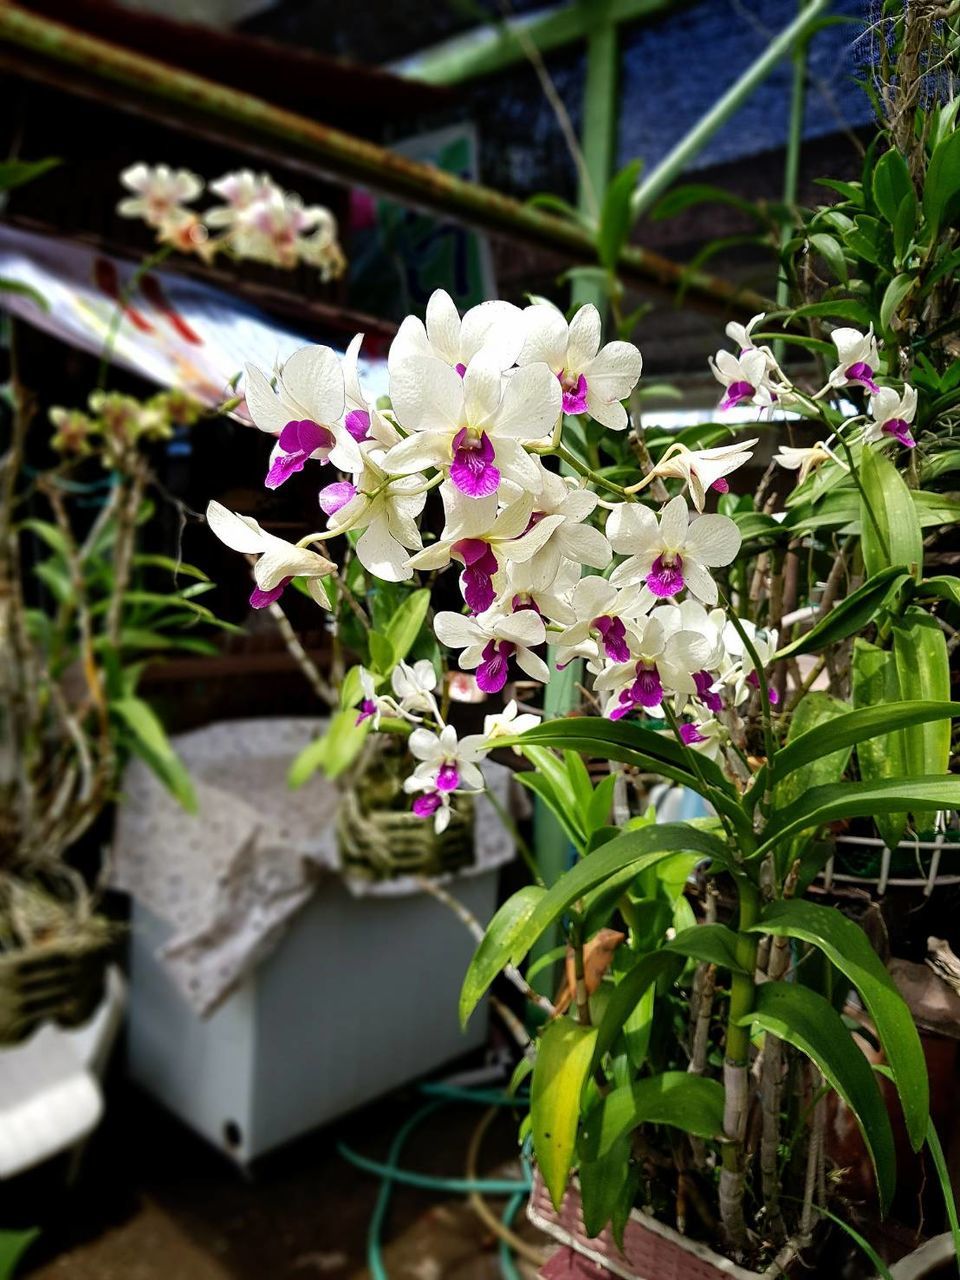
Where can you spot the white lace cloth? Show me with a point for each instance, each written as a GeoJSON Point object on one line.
{"type": "Point", "coordinates": [229, 879]}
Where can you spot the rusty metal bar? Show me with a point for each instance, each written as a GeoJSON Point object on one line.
{"type": "Point", "coordinates": [342, 156]}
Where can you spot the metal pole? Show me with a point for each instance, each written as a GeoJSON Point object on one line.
{"type": "Point", "coordinates": [673, 164]}
{"type": "Point", "coordinates": [352, 159]}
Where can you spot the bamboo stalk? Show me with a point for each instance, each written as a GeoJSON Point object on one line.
{"type": "Point", "coordinates": [350, 159]}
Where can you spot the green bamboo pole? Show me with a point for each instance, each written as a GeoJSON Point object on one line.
{"type": "Point", "coordinates": [348, 158]}
{"type": "Point", "coordinates": [672, 165]}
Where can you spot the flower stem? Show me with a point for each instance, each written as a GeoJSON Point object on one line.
{"type": "Point", "coordinates": [564, 454]}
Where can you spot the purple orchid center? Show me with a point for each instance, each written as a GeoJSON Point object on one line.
{"type": "Point", "coordinates": [476, 581]}
{"type": "Point", "coordinates": [646, 690]}
{"type": "Point", "coordinates": [357, 423]}
{"type": "Point", "coordinates": [336, 496]}
{"type": "Point", "coordinates": [737, 392]}
{"type": "Point", "coordinates": [666, 575]}
{"type": "Point", "coordinates": [720, 485]}
{"type": "Point", "coordinates": [612, 637]}
{"type": "Point", "coordinates": [298, 440]}
{"type": "Point", "coordinates": [367, 709]}
{"type": "Point", "coordinates": [574, 392]}
{"type": "Point", "coordinates": [521, 601]}
{"type": "Point", "coordinates": [448, 777]}
{"type": "Point", "coordinates": [426, 805]}
{"type": "Point", "coordinates": [472, 470]}
{"type": "Point", "coordinates": [690, 733]}
{"type": "Point", "coordinates": [899, 429]}
{"type": "Point", "coordinates": [492, 671]}
{"type": "Point", "coordinates": [704, 682]}
{"type": "Point", "coordinates": [862, 373]}
{"type": "Point", "coordinates": [461, 369]}
{"type": "Point", "coordinates": [753, 680]}
{"type": "Point", "coordinates": [259, 599]}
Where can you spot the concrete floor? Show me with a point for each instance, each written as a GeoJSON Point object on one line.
{"type": "Point", "coordinates": [153, 1202]}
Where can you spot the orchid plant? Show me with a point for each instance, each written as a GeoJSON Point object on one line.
{"type": "Point", "coordinates": [558, 561]}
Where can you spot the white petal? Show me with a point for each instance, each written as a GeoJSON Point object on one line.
{"type": "Point", "coordinates": [715, 540]}
{"type": "Point", "coordinates": [380, 553]}
{"type": "Point", "coordinates": [427, 395]}
{"type": "Point", "coordinates": [495, 327]}
{"type": "Point", "coordinates": [584, 544]}
{"type": "Point", "coordinates": [613, 416]}
{"type": "Point", "coordinates": [531, 404]}
{"type": "Point", "coordinates": [266, 409]}
{"type": "Point", "coordinates": [673, 524]}
{"type": "Point", "coordinates": [419, 450]}
{"type": "Point", "coordinates": [411, 340]}
{"type": "Point", "coordinates": [631, 528]}
{"type": "Point", "coordinates": [525, 627]}
{"type": "Point", "coordinates": [517, 465]}
{"type": "Point", "coordinates": [529, 544]}
{"type": "Point", "coordinates": [584, 341]}
{"type": "Point", "coordinates": [546, 340]}
{"type": "Point", "coordinates": [533, 665]}
{"type": "Point", "coordinates": [613, 372]}
{"type": "Point", "coordinates": [699, 581]}
{"type": "Point", "coordinates": [240, 533]}
{"type": "Point", "coordinates": [456, 631]}
{"type": "Point", "coordinates": [317, 592]}
{"type": "Point", "coordinates": [443, 326]}
{"type": "Point", "coordinates": [313, 377]}
{"type": "Point", "coordinates": [482, 390]}
{"type": "Point", "coordinates": [592, 597]}
{"type": "Point", "coordinates": [424, 744]}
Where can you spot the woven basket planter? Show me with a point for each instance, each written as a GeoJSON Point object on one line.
{"type": "Point", "coordinates": [380, 838]}
{"type": "Point", "coordinates": [651, 1251]}
{"type": "Point", "coordinates": [60, 982]}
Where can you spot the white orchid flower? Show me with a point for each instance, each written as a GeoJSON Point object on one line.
{"type": "Point", "coordinates": [537, 584]}
{"type": "Point", "coordinates": [671, 553]}
{"type": "Point", "coordinates": [238, 190]}
{"type": "Point", "coordinates": [571, 538]}
{"type": "Point", "coordinates": [857, 360]}
{"type": "Point", "coordinates": [279, 561]}
{"type": "Point", "coordinates": [738, 669]}
{"type": "Point", "coordinates": [490, 640]}
{"type": "Point", "coordinates": [159, 193]}
{"type": "Point", "coordinates": [483, 538]}
{"type": "Point", "coordinates": [495, 328]}
{"type": "Point", "coordinates": [690, 616]}
{"type": "Point", "coordinates": [474, 425]}
{"type": "Point", "coordinates": [746, 377]}
{"type": "Point", "coordinates": [270, 229]}
{"type": "Point", "coordinates": [659, 664]}
{"type": "Point", "coordinates": [507, 723]}
{"type": "Point", "coordinates": [303, 411]}
{"type": "Point", "coordinates": [593, 380]}
{"type": "Point", "coordinates": [385, 507]}
{"type": "Point", "coordinates": [447, 764]}
{"type": "Point", "coordinates": [706, 734]}
{"type": "Point", "coordinates": [415, 687]}
{"type": "Point", "coordinates": [742, 334]}
{"type": "Point", "coordinates": [804, 460]}
{"type": "Point", "coordinates": [603, 627]}
{"type": "Point", "coordinates": [891, 415]}
{"type": "Point", "coordinates": [703, 469]}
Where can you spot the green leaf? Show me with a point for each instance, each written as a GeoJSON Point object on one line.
{"type": "Point", "coordinates": [891, 535]}
{"type": "Point", "coordinates": [800, 1017]}
{"type": "Point", "coordinates": [850, 615]}
{"type": "Point", "coordinates": [598, 809]}
{"type": "Point", "coordinates": [830, 251]}
{"type": "Point", "coordinates": [861, 800]}
{"type": "Point", "coordinates": [150, 742]}
{"type": "Point", "coordinates": [49, 533]}
{"type": "Point", "coordinates": [615, 216]}
{"type": "Point", "coordinates": [602, 1183]}
{"type": "Point", "coordinates": [891, 183]}
{"type": "Point", "coordinates": [904, 225]}
{"type": "Point", "coordinates": [405, 626]}
{"type": "Point", "coordinates": [15, 173]}
{"type": "Point", "coordinates": [941, 187]}
{"type": "Point", "coordinates": [677, 1098]}
{"type": "Point", "coordinates": [893, 295]}
{"type": "Point", "coordinates": [637, 1028]}
{"type": "Point", "coordinates": [709, 943]}
{"type": "Point", "coordinates": [876, 687]}
{"type": "Point", "coordinates": [24, 291]}
{"type": "Point", "coordinates": [13, 1245]}
{"type": "Point", "coordinates": [923, 672]}
{"type": "Point", "coordinates": [943, 587]}
{"type": "Point", "coordinates": [558, 802]}
{"type": "Point", "coordinates": [145, 560]}
{"type": "Point", "coordinates": [855, 727]}
{"type": "Point", "coordinates": [695, 193]}
{"type": "Point", "coordinates": [657, 967]}
{"type": "Point", "coordinates": [946, 1185]}
{"type": "Point", "coordinates": [845, 945]}
{"type": "Point", "coordinates": [562, 1066]}
{"type": "Point", "coordinates": [499, 939]}
{"type": "Point", "coordinates": [382, 657]}
{"type": "Point", "coordinates": [835, 309]}
{"type": "Point", "coordinates": [883, 1271]}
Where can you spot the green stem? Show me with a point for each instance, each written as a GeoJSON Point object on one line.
{"type": "Point", "coordinates": [513, 831]}
{"type": "Point", "coordinates": [572, 461]}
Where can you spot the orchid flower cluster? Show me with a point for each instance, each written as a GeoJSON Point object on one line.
{"type": "Point", "coordinates": [560, 557]}
{"type": "Point", "coordinates": [255, 219]}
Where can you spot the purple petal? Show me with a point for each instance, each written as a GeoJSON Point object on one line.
{"type": "Point", "coordinates": [737, 392]}
{"type": "Point", "coordinates": [357, 423]}
{"type": "Point", "coordinates": [704, 682]}
{"type": "Point", "coordinates": [472, 469]}
{"type": "Point", "coordinates": [665, 579]}
{"type": "Point", "coordinates": [721, 485]}
{"type": "Point", "coordinates": [259, 598]}
{"type": "Point", "coordinates": [690, 733]}
{"type": "Point", "coordinates": [574, 396]}
{"type": "Point", "coordinates": [476, 581]}
{"type": "Point", "coordinates": [492, 672]}
{"type": "Point", "coordinates": [448, 779]}
{"type": "Point", "coordinates": [367, 709]}
{"type": "Point", "coordinates": [612, 635]}
{"type": "Point", "coordinates": [335, 496]}
{"type": "Point", "coordinates": [426, 805]}
{"type": "Point", "coordinates": [461, 369]}
{"type": "Point", "coordinates": [862, 373]}
{"type": "Point", "coordinates": [284, 466]}
{"type": "Point", "coordinates": [646, 690]}
{"type": "Point", "coordinates": [305, 434]}
{"type": "Point", "coordinates": [899, 429]}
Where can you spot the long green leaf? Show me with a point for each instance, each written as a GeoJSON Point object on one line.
{"type": "Point", "coordinates": [861, 800]}
{"type": "Point", "coordinates": [800, 1017]}
{"type": "Point", "coordinates": [405, 625]}
{"type": "Point", "coordinates": [946, 1185]}
{"type": "Point", "coordinates": [149, 740]}
{"type": "Point", "coordinates": [650, 969]}
{"type": "Point", "coordinates": [941, 187]}
{"type": "Point", "coordinates": [564, 1054]}
{"type": "Point", "coordinates": [602, 1182]}
{"type": "Point", "coordinates": [15, 173]}
{"type": "Point", "coordinates": [858, 726]}
{"type": "Point", "coordinates": [493, 953]}
{"type": "Point", "coordinates": [709, 943]}
{"type": "Point", "coordinates": [923, 671]}
{"type": "Point", "coordinates": [845, 945]}
{"type": "Point", "coordinates": [891, 535]}
{"type": "Point", "coordinates": [677, 1098]}
{"type": "Point", "coordinates": [875, 686]}
{"type": "Point", "coordinates": [850, 615]}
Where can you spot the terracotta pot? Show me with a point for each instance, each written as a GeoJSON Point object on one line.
{"type": "Point", "coordinates": [651, 1251]}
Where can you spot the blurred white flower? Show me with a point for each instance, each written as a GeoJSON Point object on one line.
{"type": "Point", "coordinates": [279, 561]}
{"type": "Point", "coordinates": [158, 192]}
